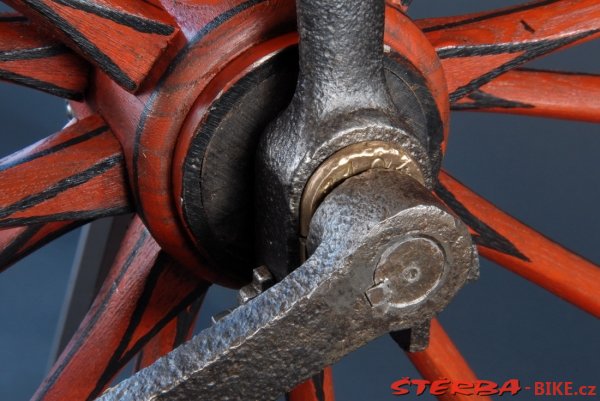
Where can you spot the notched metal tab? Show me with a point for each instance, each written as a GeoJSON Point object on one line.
{"type": "Point", "coordinates": [407, 272]}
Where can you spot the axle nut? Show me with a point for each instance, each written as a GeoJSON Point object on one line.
{"type": "Point", "coordinates": [407, 272]}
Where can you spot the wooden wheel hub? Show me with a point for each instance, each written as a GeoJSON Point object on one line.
{"type": "Point", "coordinates": [153, 125]}
{"type": "Point", "coordinates": [190, 138]}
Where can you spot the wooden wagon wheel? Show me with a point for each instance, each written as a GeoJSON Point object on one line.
{"type": "Point", "coordinates": [144, 79]}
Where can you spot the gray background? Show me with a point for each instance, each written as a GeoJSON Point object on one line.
{"type": "Point", "coordinates": [544, 172]}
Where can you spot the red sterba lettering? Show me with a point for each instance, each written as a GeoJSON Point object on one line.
{"type": "Point", "coordinates": [445, 386]}
{"type": "Point", "coordinates": [512, 386]}
{"type": "Point", "coordinates": [439, 387]}
{"type": "Point", "coordinates": [486, 387]}
{"type": "Point", "coordinates": [421, 385]}
{"type": "Point", "coordinates": [463, 388]}
{"type": "Point", "coordinates": [398, 387]}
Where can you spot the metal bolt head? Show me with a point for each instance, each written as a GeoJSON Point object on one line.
{"type": "Point", "coordinates": [407, 272]}
{"type": "Point", "coordinates": [262, 278]}
{"type": "Point", "coordinates": [247, 293]}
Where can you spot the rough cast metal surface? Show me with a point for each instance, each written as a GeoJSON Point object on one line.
{"type": "Point", "coordinates": [341, 99]}
{"type": "Point", "coordinates": [320, 309]}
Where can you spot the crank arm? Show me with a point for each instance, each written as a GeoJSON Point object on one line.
{"type": "Point", "coordinates": [385, 256]}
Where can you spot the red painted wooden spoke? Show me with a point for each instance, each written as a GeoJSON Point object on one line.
{"type": "Point", "coordinates": [172, 335]}
{"type": "Point", "coordinates": [18, 242]}
{"type": "Point", "coordinates": [442, 360]}
{"type": "Point", "coordinates": [75, 174]}
{"type": "Point", "coordinates": [317, 388]}
{"type": "Point", "coordinates": [144, 291]}
{"type": "Point", "coordinates": [564, 95]}
{"type": "Point", "coordinates": [523, 250]}
{"type": "Point", "coordinates": [123, 38]}
{"type": "Point", "coordinates": [477, 48]}
{"type": "Point", "coordinates": [31, 59]}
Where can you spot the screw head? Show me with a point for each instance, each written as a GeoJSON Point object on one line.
{"type": "Point", "coordinates": [407, 272]}
{"type": "Point", "coordinates": [262, 278]}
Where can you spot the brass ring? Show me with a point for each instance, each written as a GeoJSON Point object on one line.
{"type": "Point", "coordinates": [350, 161]}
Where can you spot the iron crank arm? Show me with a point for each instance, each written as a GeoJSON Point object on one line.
{"type": "Point", "coordinates": [385, 257]}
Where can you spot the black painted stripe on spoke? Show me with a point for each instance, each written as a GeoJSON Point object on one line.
{"type": "Point", "coordinates": [9, 251]}
{"type": "Point", "coordinates": [535, 50]}
{"type": "Point", "coordinates": [488, 50]}
{"type": "Point", "coordinates": [114, 363]}
{"type": "Point", "coordinates": [62, 185]}
{"type": "Point", "coordinates": [40, 85]}
{"type": "Point", "coordinates": [486, 235]}
{"type": "Point", "coordinates": [14, 252]}
{"type": "Point", "coordinates": [32, 54]}
{"type": "Point", "coordinates": [82, 335]}
{"type": "Point", "coordinates": [490, 15]}
{"type": "Point", "coordinates": [213, 24]}
{"type": "Point", "coordinates": [13, 18]}
{"type": "Point", "coordinates": [140, 24]}
{"type": "Point", "coordinates": [559, 72]}
{"type": "Point", "coordinates": [86, 215]}
{"type": "Point", "coordinates": [54, 149]}
{"type": "Point", "coordinates": [88, 48]}
{"type": "Point", "coordinates": [527, 27]}
{"type": "Point", "coordinates": [483, 100]}
{"type": "Point", "coordinates": [318, 381]}
{"type": "Point", "coordinates": [507, 48]}
{"type": "Point", "coordinates": [186, 320]}
{"type": "Point", "coordinates": [187, 300]}
{"type": "Point", "coordinates": [120, 357]}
